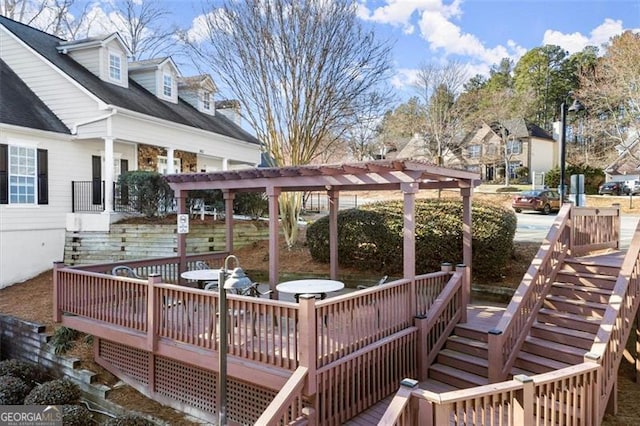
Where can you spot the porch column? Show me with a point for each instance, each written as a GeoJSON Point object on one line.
{"type": "Point", "coordinates": [334, 203]}
{"type": "Point", "coordinates": [108, 175]}
{"type": "Point", "coordinates": [170, 166]}
{"type": "Point", "coordinates": [466, 244]}
{"type": "Point", "coordinates": [274, 248]}
{"type": "Point", "coordinates": [228, 219]}
{"type": "Point", "coordinates": [225, 164]}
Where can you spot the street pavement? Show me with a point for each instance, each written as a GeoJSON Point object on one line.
{"type": "Point", "coordinates": [534, 227]}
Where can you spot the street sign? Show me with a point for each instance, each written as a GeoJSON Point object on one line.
{"type": "Point", "coordinates": [183, 224]}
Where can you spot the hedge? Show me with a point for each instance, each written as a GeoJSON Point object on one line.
{"type": "Point", "coordinates": [370, 238]}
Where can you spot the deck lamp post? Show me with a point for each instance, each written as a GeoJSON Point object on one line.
{"type": "Point", "coordinates": [237, 279]}
{"type": "Point", "coordinates": [575, 107]}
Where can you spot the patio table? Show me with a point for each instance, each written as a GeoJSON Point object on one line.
{"type": "Point", "coordinates": [202, 276]}
{"type": "Point", "coordinates": [310, 286]}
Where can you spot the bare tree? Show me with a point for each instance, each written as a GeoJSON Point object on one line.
{"type": "Point", "coordinates": [52, 16]}
{"type": "Point", "coordinates": [361, 132]}
{"type": "Point", "coordinates": [144, 26]}
{"type": "Point", "coordinates": [611, 94]}
{"type": "Point", "coordinates": [299, 69]}
{"type": "Point", "coordinates": [444, 121]}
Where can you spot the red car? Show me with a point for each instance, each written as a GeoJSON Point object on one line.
{"type": "Point", "coordinates": [541, 200]}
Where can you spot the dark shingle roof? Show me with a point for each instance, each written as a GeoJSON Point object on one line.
{"type": "Point", "coordinates": [521, 128]}
{"type": "Point", "coordinates": [21, 107]}
{"type": "Point", "coordinates": [134, 98]}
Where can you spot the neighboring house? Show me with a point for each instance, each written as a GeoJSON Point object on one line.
{"type": "Point", "coordinates": [626, 167]}
{"type": "Point", "coordinates": [76, 114]}
{"type": "Point", "coordinates": [528, 146]}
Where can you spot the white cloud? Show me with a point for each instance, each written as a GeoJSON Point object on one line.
{"type": "Point", "coordinates": [575, 42]}
{"type": "Point", "coordinates": [404, 77]}
{"type": "Point", "coordinates": [399, 13]}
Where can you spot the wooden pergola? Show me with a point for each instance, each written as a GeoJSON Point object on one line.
{"type": "Point", "coordinates": [408, 176]}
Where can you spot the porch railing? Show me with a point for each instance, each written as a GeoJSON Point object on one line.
{"type": "Point", "coordinates": [88, 197]}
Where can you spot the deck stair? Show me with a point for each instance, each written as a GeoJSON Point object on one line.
{"type": "Point", "coordinates": [563, 332]}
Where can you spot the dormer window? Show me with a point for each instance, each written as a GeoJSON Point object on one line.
{"type": "Point", "coordinates": [167, 85]}
{"type": "Point", "coordinates": [115, 67]}
{"type": "Point", "coordinates": [206, 101]}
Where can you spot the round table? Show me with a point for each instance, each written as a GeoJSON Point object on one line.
{"type": "Point", "coordinates": [310, 286]}
{"type": "Point", "coordinates": [203, 276]}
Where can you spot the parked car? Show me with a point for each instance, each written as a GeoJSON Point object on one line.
{"type": "Point", "coordinates": [635, 190]}
{"type": "Point", "coordinates": [614, 188]}
{"type": "Point", "coordinates": [541, 200]}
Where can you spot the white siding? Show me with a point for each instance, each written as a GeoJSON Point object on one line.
{"type": "Point", "coordinates": [64, 98]}
{"type": "Point", "coordinates": [88, 58]}
{"type": "Point", "coordinates": [184, 139]}
{"type": "Point", "coordinates": [146, 79]}
{"type": "Point", "coordinates": [32, 237]}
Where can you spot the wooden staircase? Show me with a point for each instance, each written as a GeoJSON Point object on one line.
{"type": "Point", "coordinates": [562, 333]}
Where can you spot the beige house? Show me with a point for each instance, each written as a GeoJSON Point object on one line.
{"type": "Point", "coordinates": [77, 114]}
{"type": "Point", "coordinates": [528, 146]}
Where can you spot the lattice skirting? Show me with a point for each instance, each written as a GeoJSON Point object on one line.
{"type": "Point", "coordinates": [182, 386]}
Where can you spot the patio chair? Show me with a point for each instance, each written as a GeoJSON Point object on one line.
{"type": "Point", "coordinates": [126, 271]}
{"type": "Point", "coordinates": [380, 282]}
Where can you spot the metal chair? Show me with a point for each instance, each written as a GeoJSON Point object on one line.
{"type": "Point", "coordinates": [380, 282]}
{"type": "Point", "coordinates": [201, 264]}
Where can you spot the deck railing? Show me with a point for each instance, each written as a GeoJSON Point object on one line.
{"type": "Point", "coordinates": [507, 337]}
{"type": "Point", "coordinates": [618, 321]}
{"type": "Point", "coordinates": [287, 407]}
{"type": "Point", "coordinates": [594, 229]}
{"type": "Point", "coordinates": [572, 395]}
{"type": "Point", "coordinates": [568, 396]}
{"type": "Point", "coordinates": [371, 332]}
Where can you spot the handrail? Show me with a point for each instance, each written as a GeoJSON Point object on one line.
{"type": "Point", "coordinates": [286, 407]}
{"type": "Point", "coordinates": [509, 334]}
{"type": "Point", "coordinates": [617, 320]}
{"type": "Point", "coordinates": [508, 402]}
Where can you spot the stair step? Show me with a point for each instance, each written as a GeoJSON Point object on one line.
{"type": "Point", "coordinates": [568, 320]}
{"type": "Point", "coordinates": [454, 377]}
{"type": "Point", "coordinates": [560, 352]}
{"type": "Point", "coordinates": [467, 346]}
{"type": "Point", "coordinates": [436, 386]}
{"type": "Point", "coordinates": [471, 332]}
{"type": "Point", "coordinates": [537, 364]}
{"type": "Point", "coordinates": [591, 294]}
{"type": "Point", "coordinates": [563, 335]}
{"type": "Point", "coordinates": [590, 266]}
{"type": "Point", "coordinates": [586, 279]}
{"type": "Point", "coordinates": [575, 306]}
{"type": "Point", "coordinates": [464, 362]}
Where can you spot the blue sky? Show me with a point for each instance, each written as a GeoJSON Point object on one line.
{"type": "Point", "coordinates": [478, 33]}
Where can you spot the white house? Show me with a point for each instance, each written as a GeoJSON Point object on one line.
{"type": "Point", "coordinates": [76, 114]}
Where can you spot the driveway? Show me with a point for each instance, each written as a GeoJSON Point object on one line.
{"type": "Point", "coordinates": [534, 227]}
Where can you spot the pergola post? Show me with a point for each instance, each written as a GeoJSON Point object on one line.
{"type": "Point", "coordinates": [467, 251]}
{"type": "Point", "coordinates": [181, 197]}
{"type": "Point", "coordinates": [334, 202]}
{"type": "Point", "coordinates": [409, 239]}
{"type": "Point", "coordinates": [228, 219]}
{"type": "Point", "coordinates": [274, 248]}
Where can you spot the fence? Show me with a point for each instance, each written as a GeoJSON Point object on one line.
{"type": "Point", "coordinates": [88, 196]}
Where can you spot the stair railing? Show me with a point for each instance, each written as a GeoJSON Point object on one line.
{"type": "Point", "coordinates": [508, 336]}
{"type": "Point", "coordinates": [287, 407]}
{"type": "Point", "coordinates": [617, 321]}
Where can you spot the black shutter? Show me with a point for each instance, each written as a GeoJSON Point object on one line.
{"type": "Point", "coordinates": [43, 176]}
{"type": "Point", "coordinates": [96, 180]}
{"type": "Point", "coordinates": [4, 174]}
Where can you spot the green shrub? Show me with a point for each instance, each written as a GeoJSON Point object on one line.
{"type": "Point", "coordinates": [129, 420]}
{"type": "Point", "coordinates": [12, 390]}
{"type": "Point", "coordinates": [508, 189]}
{"type": "Point", "coordinates": [55, 392]}
{"type": "Point", "coordinates": [76, 415]}
{"type": "Point", "coordinates": [28, 373]}
{"type": "Point", "coordinates": [147, 192]}
{"type": "Point", "coordinates": [63, 339]}
{"type": "Point", "coordinates": [593, 177]}
{"type": "Point", "coordinates": [252, 204]}
{"type": "Point", "coordinates": [370, 238]}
